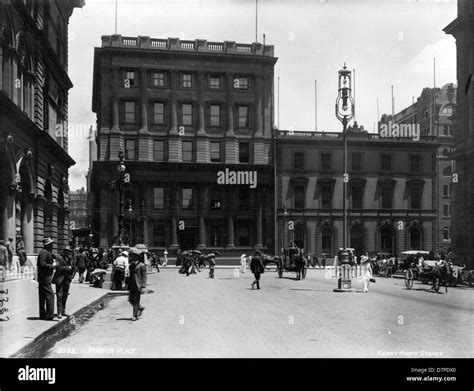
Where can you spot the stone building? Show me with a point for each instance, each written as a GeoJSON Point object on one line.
{"type": "Point", "coordinates": [462, 28]}
{"type": "Point", "coordinates": [194, 120]}
{"type": "Point", "coordinates": [34, 87]}
{"type": "Point", "coordinates": [390, 194]}
{"type": "Point", "coordinates": [433, 113]}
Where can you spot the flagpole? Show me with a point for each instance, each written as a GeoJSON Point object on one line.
{"type": "Point", "coordinates": [315, 105]}
{"type": "Point", "coordinates": [256, 20]}
{"type": "Point", "coordinates": [354, 94]}
{"type": "Point", "coordinates": [116, 17]}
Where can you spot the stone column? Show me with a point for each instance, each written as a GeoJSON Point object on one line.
{"type": "Point", "coordinates": [115, 98]}
{"type": "Point", "coordinates": [259, 244]}
{"type": "Point", "coordinates": [144, 100]}
{"type": "Point", "coordinates": [202, 233]}
{"type": "Point", "coordinates": [145, 231]}
{"type": "Point", "coordinates": [8, 215]}
{"type": "Point", "coordinates": [202, 211]}
{"type": "Point", "coordinates": [258, 106]}
{"type": "Point", "coordinates": [201, 119]}
{"type": "Point", "coordinates": [27, 226]}
{"type": "Point", "coordinates": [174, 103]}
{"type": "Point", "coordinates": [230, 105]}
{"type": "Point", "coordinates": [174, 217]}
{"type": "Point", "coordinates": [174, 236]}
{"type": "Point", "coordinates": [230, 236]}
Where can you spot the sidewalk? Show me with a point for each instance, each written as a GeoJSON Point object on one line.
{"type": "Point", "coordinates": [24, 325]}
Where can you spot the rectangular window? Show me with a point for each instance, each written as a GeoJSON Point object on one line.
{"type": "Point", "coordinates": [130, 149]}
{"type": "Point", "coordinates": [415, 197]}
{"type": "Point", "coordinates": [159, 235]}
{"type": "Point", "coordinates": [187, 198]}
{"type": "Point", "coordinates": [244, 199]}
{"type": "Point", "coordinates": [414, 163]}
{"type": "Point", "coordinates": [244, 235]}
{"type": "Point", "coordinates": [447, 210]}
{"type": "Point", "coordinates": [243, 117]}
{"type": "Point", "coordinates": [299, 196]}
{"type": "Point", "coordinates": [387, 197]}
{"type": "Point", "coordinates": [215, 115]}
{"type": "Point", "coordinates": [356, 161]}
{"type": "Point", "coordinates": [298, 161]}
{"type": "Point", "coordinates": [215, 152]}
{"type": "Point", "coordinates": [386, 163]}
{"type": "Point", "coordinates": [130, 76]}
{"type": "Point", "coordinates": [158, 79]}
{"type": "Point", "coordinates": [187, 151]}
{"type": "Point", "coordinates": [158, 198]}
{"type": "Point", "coordinates": [241, 83]}
{"type": "Point", "coordinates": [159, 113]}
{"type": "Point", "coordinates": [187, 80]}
{"type": "Point", "coordinates": [130, 112]}
{"type": "Point", "coordinates": [187, 114]}
{"type": "Point", "coordinates": [356, 197]}
{"type": "Point", "coordinates": [244, 152]}
{"type": "Point", "coordinates": [159, 150]}
{"type": "Point", "coordinates": [215, 82]}
{"type": "Point", "coordinates": [326, 195]}
{"type": "Point", "coordinates": [325, 161]}
{"type": "Point", "coordinates": [215, 199]}
{"type": "Point", "coordinates": [446, 233]}
{"type": "Point", "coordinates": [446, 191]}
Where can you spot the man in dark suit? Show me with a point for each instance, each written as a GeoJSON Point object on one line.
{"type": "Point", "coordinates": [46, 266]}
{"type": "Point", "coordinates": [257, 268]}
{"type": "Point", "coordinates": [137, 281]}
{"type": "Point", "coordinates": [62, 279]}
{"type": "Point", "coordinates": [80, 261]}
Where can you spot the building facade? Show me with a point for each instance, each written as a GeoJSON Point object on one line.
{"type": "Point", "coordinates": [79, 209]}
{"type": "Point", "coordinates": [462, 28]}
{"type": "Point", "coordinates": [34, 87]}
{"type": "Point", "coordinates": [194, 121]}
{"type": "Point", "coordinates": [433, 114]}
{"type": "Point", "coordinates": [391, 204]}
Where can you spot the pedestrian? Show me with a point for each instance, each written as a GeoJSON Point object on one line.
{"type": "Point", "coordinates": [46, 267]}
{"type": "Point", "coordinates": [137, 281]}
{"type": "Point", "coordinates": [11, 251]}
{"type": "Point", "coordinates": [80, 260]}
{"type": "Point", "coordinates": [3, 261]}
{"type": "Point", "coordinates": [89, 263]}
{"type": "Point", "coordinates": [62, 279]}
{"type": "Point", "coordinates": [243, 263]}
{"type": "Point", "coordinates": [257, 268]}
{"type": "Point", "coordinates": [120, 270]}
{"type": "Point", "coordinates": [165, 256]}
{"type": "Point", "coordinates": [366, 273]}
{"type": "Point", "coordinates": [20, 252]}
{"type": "Point", "coordinates": [212, 265]}
{"type": "Point", "coordinates": [323, 260]}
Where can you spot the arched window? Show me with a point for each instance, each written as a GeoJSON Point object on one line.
{"type": "Point", "coordinates": [299, 236]}
{"type": "Point", "coordinates": [327, 241]}
{"type": "Point", "coordinates": [386, 240]}
{"type": "Point", "coordinates": [415, 238]}
{"type": "Point", "coordinates": [357, 240]}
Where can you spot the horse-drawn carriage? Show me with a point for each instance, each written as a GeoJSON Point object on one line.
{"type": "Point", "coordinates": [293, 260]}
{"type": "Point", "coordinates": [417, 265]}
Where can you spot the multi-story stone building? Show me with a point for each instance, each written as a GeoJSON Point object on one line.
{"type": "Point", "coordinates": [34, 86]}
{"type": "Point", "coordinates": [391, 205]}
{"type": "Point", "coordinates": [79, 209]}
{"type": "Point", "coordinates": [194, 119]}
{"type": "Point", "coordinates": [433, 114]}
{"type": "Point", "coordinates": [462, 28]}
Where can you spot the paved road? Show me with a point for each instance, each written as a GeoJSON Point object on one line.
{"type": "Point", "coordinates": [199, 317]}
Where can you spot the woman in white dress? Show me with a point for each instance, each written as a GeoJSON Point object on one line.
{"type": "Point", "coordinates": [366, 272]}
{"type": "Point", "coordinates": [243, 263]}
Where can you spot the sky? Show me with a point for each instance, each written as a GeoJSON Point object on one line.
{"type": "Point", "coordinates": [386, 42]}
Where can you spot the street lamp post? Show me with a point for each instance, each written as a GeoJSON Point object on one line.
{"type": "Point", "coordinates": [130, 210]}
{"type": "Point", "coordinates": [285, 213]}
{"type": "Point", "coordinates": [120, 183]}
{"type": "Point", "coordinates": [344, 112]}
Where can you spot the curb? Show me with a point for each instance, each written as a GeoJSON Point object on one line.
{"type": "Point", "coordinates": [56, 329]}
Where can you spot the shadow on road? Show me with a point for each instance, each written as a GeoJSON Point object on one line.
{"type": "Point", "coordinates": [129, 319]}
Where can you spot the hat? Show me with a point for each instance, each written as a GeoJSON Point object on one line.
{"type": "Point", "coordinates": [243, 256]}
{"type": "Point", "coordinates": [135, 251]}
{"type": "Point", "coordinates": [67, 248]}
{"type": "Point", "coordinates": [47, 241]}
{"type": "Point", "coordinates": [366, 260]}
{"type": "Point", "coordinates": [125, 253]}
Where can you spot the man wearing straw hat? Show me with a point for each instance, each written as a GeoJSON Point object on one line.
{"type": "Point", "coordinates": [46, 267]}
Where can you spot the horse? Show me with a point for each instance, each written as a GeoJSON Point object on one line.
{"type": "Point", "coordinates": [441, 275]}
{"type": "Point", "coordinates": [300, 263]}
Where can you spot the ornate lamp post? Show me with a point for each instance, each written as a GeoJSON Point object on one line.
{"type": "Point", "coordinates": [285, 214]}
{"type": "Point", "coordinates": [344, 112]}
{"type": "Point", "coordinates": [120, 183]}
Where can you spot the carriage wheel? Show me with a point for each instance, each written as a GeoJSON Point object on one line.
{"type": "Point", "coordinates": [305, 269]}
{"type": "Point", "coordinates": [409, 279]}
{"type": "Point", "coordinates": [436, 284]}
